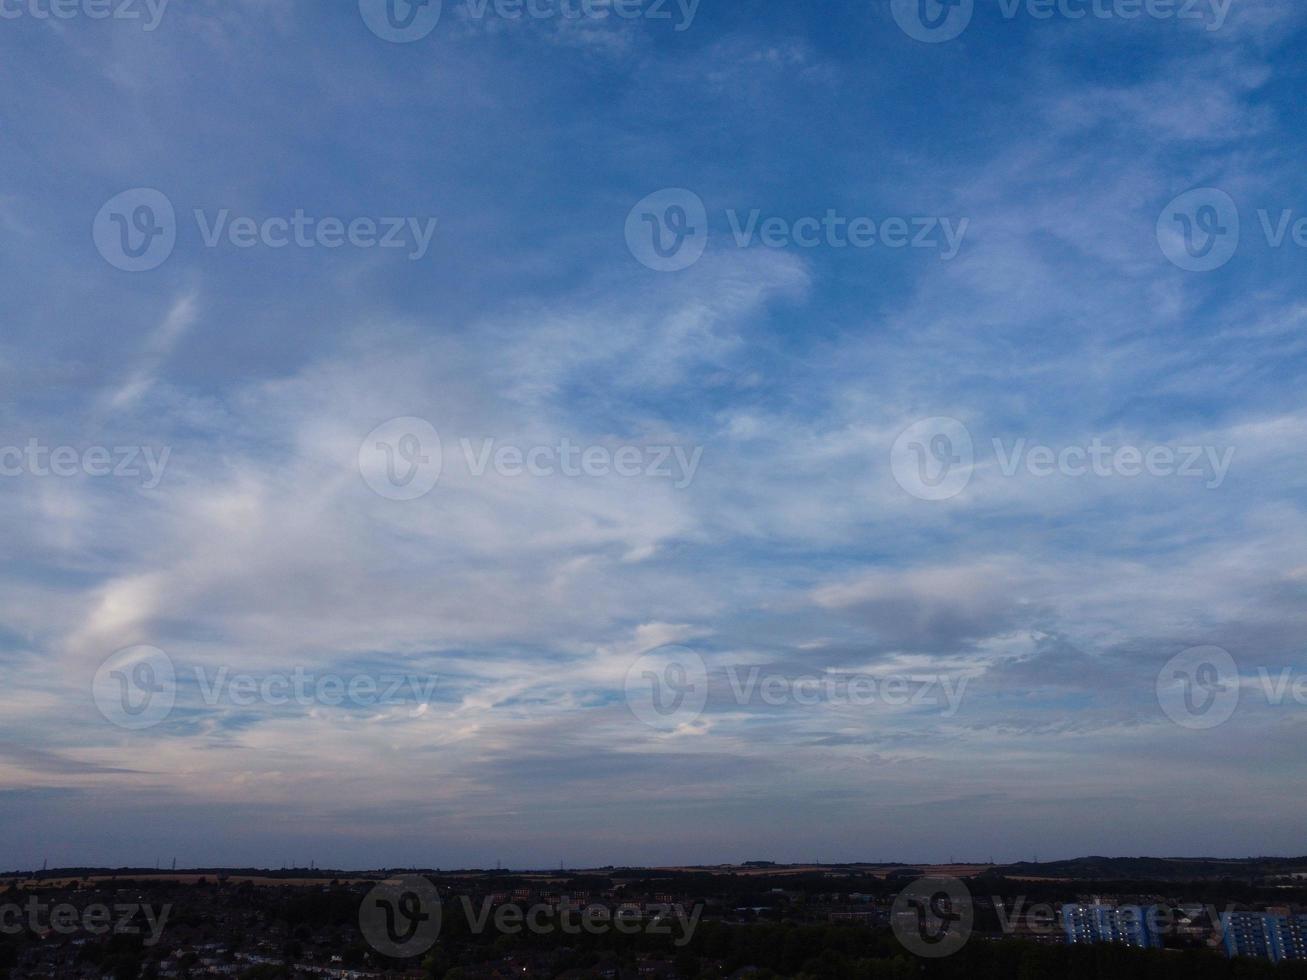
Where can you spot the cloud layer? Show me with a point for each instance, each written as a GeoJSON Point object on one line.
{"type": "Point", "coordinates": [514, 606]}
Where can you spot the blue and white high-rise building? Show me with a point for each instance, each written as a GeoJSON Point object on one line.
{"type": "Point", "coordinates": [1265, 935]}
{"type": "Point", "coordinates": [1131, 925]}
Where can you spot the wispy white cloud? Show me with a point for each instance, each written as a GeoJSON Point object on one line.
{"type": "Point", "coordinates": [529, 598]}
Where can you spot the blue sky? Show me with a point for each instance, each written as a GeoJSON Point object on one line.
{"type": "Point", "coordinates": [788, 373]}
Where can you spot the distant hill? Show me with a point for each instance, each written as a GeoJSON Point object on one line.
{"type": "Point", "coordinates": [1161, 869]}
{"type": "Point", "coordinates": [1077, 869]}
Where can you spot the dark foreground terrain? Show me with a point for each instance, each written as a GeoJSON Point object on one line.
{"type": "Point", "coordinates": [758, 920]}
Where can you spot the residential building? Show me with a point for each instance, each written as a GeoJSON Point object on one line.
{"type": "Point", "coordinates": [1274, 936]}
{"type": "Point", "coordinates": [1130, 925]}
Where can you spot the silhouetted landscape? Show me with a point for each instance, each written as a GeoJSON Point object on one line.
{"type": "Point", "coordinates": [760, 919]}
